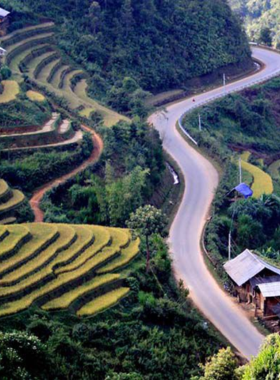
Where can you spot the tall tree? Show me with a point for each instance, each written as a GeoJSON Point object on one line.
{"type": "Point", "coordinates": [147, 221]}
{"type": "Point", "coordinates": [94, 13]}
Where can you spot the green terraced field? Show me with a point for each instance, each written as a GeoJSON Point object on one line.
{"type": "Point", "coordinates": [25, 43]}
{"type": "Point", "coordinates": [60, 266]}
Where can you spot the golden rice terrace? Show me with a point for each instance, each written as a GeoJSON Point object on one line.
{"type": "Point", "coordinates": [60, 267]}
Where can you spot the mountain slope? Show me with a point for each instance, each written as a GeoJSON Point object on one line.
{"type": "Point", "coordinates": [259, 14]}
{"type": "Point", "coordinates": [160, 43]}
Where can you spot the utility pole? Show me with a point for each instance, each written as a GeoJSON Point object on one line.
{"type": "Point", "coordinates": [199, 123]}
{"type": "Point", "coordinates": [240, 170]}
{"type": "Point", "coordinates": [229, 246]}
{"type": "Point", "coordinates": [224, 81]}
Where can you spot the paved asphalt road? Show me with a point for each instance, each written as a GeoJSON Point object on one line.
{"type": "Point", "coordinates": [201, 180]}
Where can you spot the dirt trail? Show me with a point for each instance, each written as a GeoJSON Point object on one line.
{"type": "Point", "coordinates": [39, 193]}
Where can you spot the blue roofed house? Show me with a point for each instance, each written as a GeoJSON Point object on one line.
{"type": "Point", "coordinates": [244, 190]}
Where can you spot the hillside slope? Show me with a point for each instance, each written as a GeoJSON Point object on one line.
{"type": "Point", "coordinates": [159, 43]}
{"type": "Point", "coordinates": [259, 14]}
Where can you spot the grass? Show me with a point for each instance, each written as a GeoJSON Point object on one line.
{"type": "Point", "coordinates": [66, 236]}
{"type": "Point", "coordinates": [36, 61]}
{"type": "Point", "coordinates": [102, 303]}
{"type": "Point", "coordinates": [25, 44]}
{"type": "Point", "coordinates": [35, 96]}
{"type": "Point", "coordinates": [16, 235]}
{"type": "Point", "coordinates": [42, 235]}
{"type": "Point", "coordinates": [15, 201]}
{"type": "Point", "coordinates": [262, 183]}
{"type": "Point", "coordinates": [127, 255]}
{"type": "Point", "coordinates": [64, 301]}
{"type": "Point", "coordinates": [11, 90]}
{"type": "Point", "coordinates": [57, 76]}
{"type": "Point", "coordinates": [45, 72]}
{"type": "Point", "coordinates": [274, 169]}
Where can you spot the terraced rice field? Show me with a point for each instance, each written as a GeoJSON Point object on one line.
{"type": "Point", "coordinates": [51, 74]}
{"type": "Point", "coordinates": [11, 90]}
{"type": "Point", "coordinates": [10, 200]}
{"type": "Point", "coordinates": [59, 267]}
{"type": "Point", "coordinates": [262, 182]}
{"type": "Point", "coordinates": [35, 96]}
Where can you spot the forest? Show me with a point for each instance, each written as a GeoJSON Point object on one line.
{"type": "Point", "coordinates": [114, 39]}
{"type": "Point", "coordinates": [261, 19]}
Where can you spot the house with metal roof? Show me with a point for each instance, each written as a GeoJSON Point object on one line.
{"type": "Point", "coordinates": [4, 21]}
{"type": "Point", "coordinates": [255, 280]}
{"type": "Point", "coordinates": [3, 52]}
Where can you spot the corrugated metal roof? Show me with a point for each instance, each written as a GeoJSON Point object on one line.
{"type": "Point", "coordinates": [272, 289]}
{"type": "Point", "coordinates": [3, 12]}
{"type": "Point", "coordinates": [263, 280]}
{"type": "Point", "coordinates": [245, 266]}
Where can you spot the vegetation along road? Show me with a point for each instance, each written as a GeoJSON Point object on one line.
{"type": "Point", "coordinates": [38, 195]}
{"type": "Point", "coordinates": [201, 179]}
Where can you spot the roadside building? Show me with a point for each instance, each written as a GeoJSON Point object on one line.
{"type": "Point", "coordinates": [4, 21]}
{"type": "Point", "coordinates": [3, 52]}
{"type": "Point", "coordinates": [255, 281]}
{"type": "Point", "coordinates": [242, 190]}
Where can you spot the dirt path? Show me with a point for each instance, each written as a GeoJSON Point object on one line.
{"type": "Point", "coordinates": [39, 193]}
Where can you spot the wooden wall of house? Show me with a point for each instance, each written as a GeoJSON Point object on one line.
{"type": "Point", "coordinates": [4, 24]}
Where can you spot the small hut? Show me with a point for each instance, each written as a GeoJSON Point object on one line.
{"type": "Point", "coordinates": [255, 281]}
{"type": "Point", "coordinates": [4, 21]}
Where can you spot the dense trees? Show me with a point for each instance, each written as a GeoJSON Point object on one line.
{"type": "Point", "coordinates": [260, 17]}
{"type": "Point", "coordinates": [129, 171]}
{"type": "Point", "coordinates": [157, 43]}
{"type": "Point", "coordinates": [224, 366]}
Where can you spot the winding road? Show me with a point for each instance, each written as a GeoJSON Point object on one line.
{"type": "Point", "coordinates": [201, 180]}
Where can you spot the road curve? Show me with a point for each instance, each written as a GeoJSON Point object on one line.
{"type": "Point", "coordinates": [201, 180]}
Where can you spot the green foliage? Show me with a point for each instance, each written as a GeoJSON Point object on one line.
{"type": "Point", "coordinates": [267, 363]}
{"type": "Point", "coordinates": [22, 356]}
{"type": "Point", "coordinates": [29, 171]}
{"type": "Point", "coordinates": [156, 43]}
{"type": "Point", "coordinates": [23, 112]}
{"type": "Point", "coordinates": [249, 119]}
{"type": "Point", "coordinates": [261, 18]}
{"type": "Point", "coordinates": [221, 366]}
{"type": "Point", "coordinates": [126, 177]}
{"type": "Point", "coordinates": [265, 36]}
{"type": "Point", "coordinates": [5, 72]}
{"type": "Point", "coordinates": [147, 220]}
